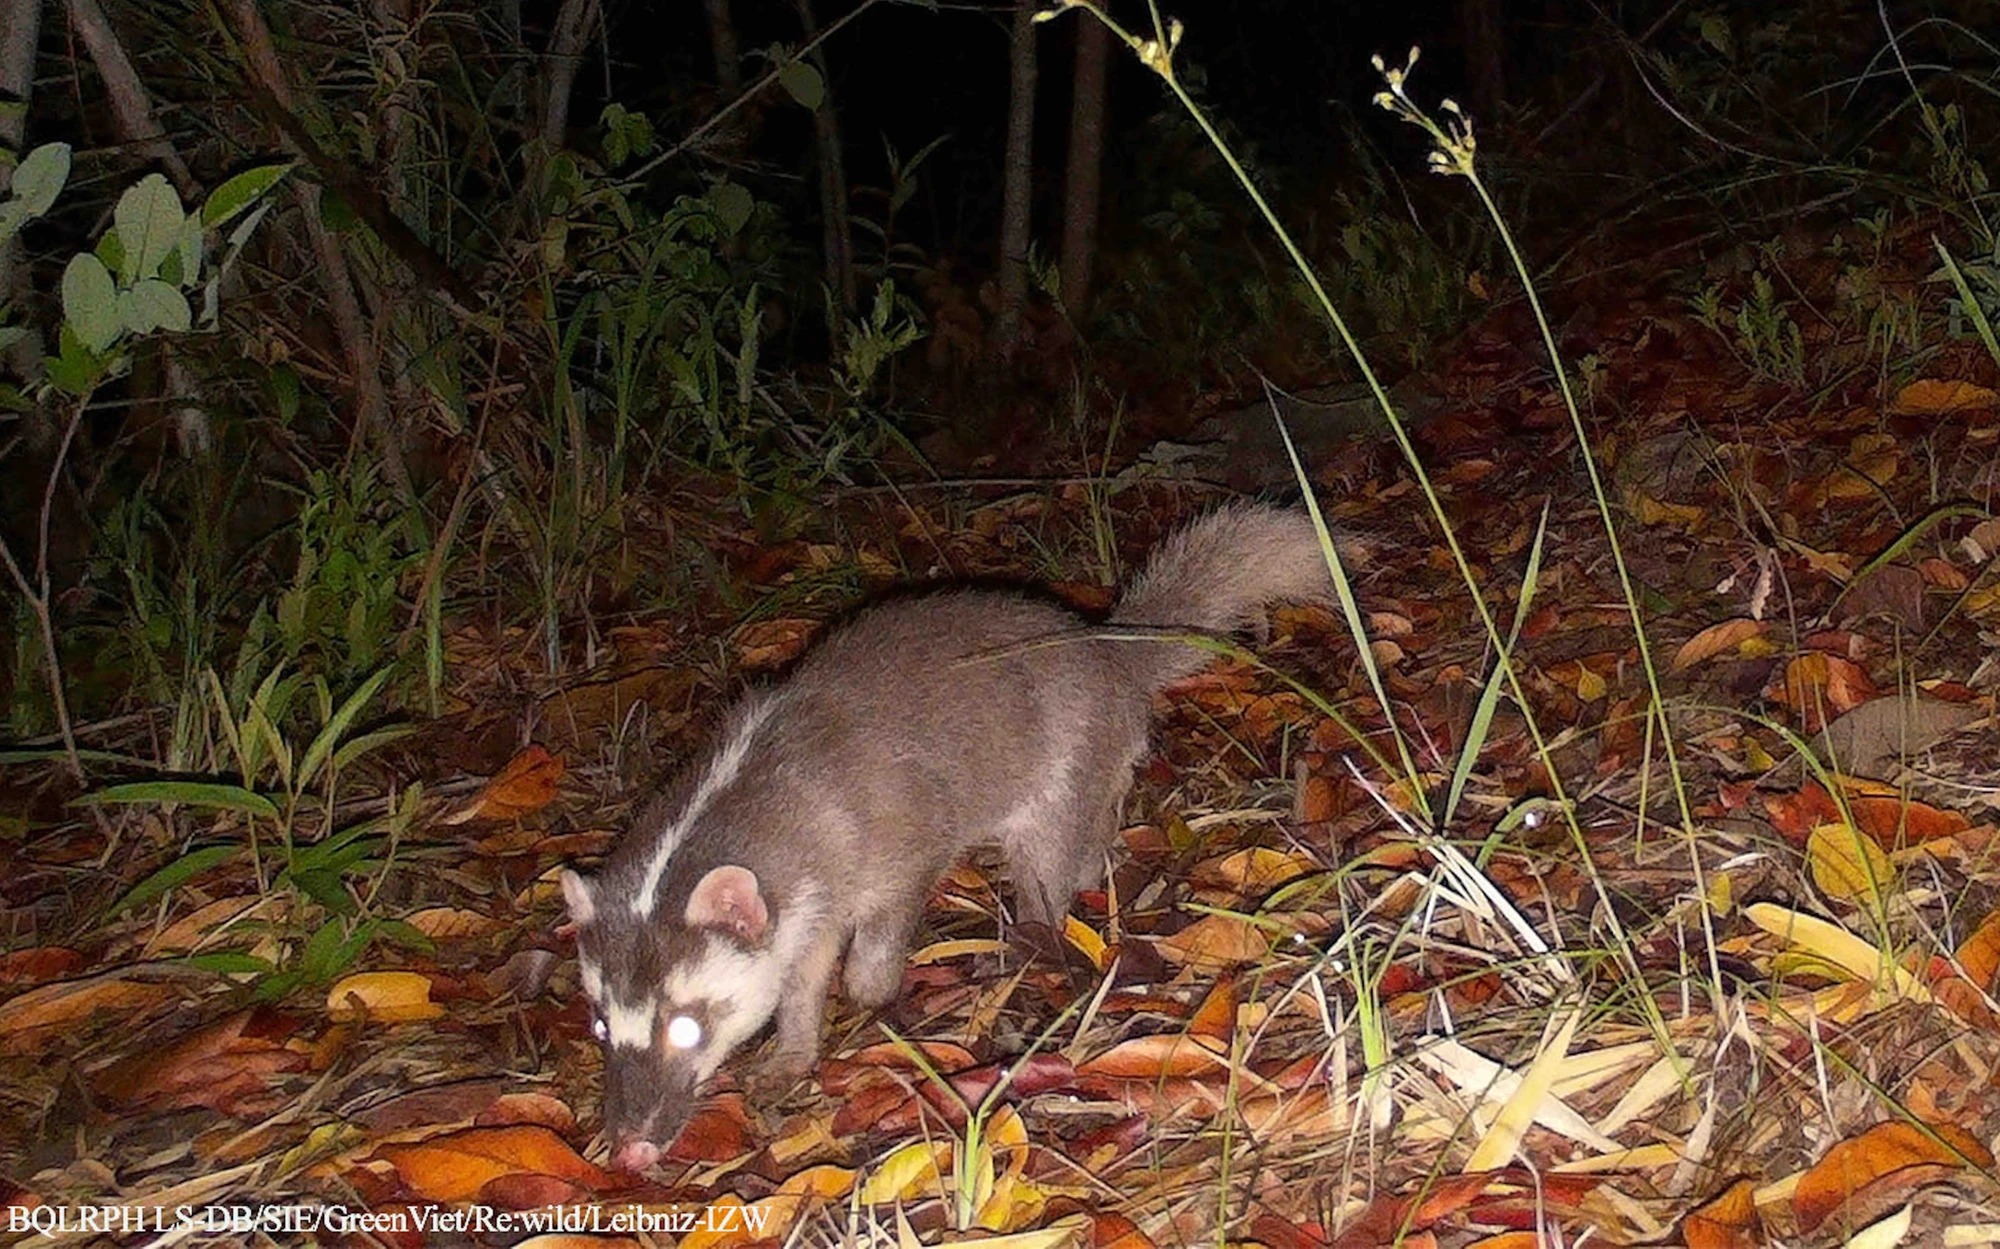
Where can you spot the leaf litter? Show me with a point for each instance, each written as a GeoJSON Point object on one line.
{"type": "Point", "coordinates": [1298, 1014]}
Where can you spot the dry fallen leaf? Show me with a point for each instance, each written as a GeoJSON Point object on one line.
{"type": "Point", "coordinates": [456, 1166]}
{"type": "Point", "coordinates": [1879, 1152]}
{"type": "Point", "coordinates": [222, 1066]}
{"type": "Point", "coordinates": [1930, 396]}
{"type": "Point", "coordinates": [1215, 943]}
{"type": "Point", "coordinates": [526, 785]}
{"type": "Point", "coordinates": [384, 997]}
{"type": "Point", "coordinates": [1716, 639]}
{"type": "Point", "coordinates": [28, 1020]}
{"type": "Point", "coordinates": [1848, 865]}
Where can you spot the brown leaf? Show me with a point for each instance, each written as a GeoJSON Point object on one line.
{"type": "Point", "coordinates": [39, 964]}
{"type": "Point", "coordinates": [1881, 1151]}
{"type": "Point", "coordinates": [457, 1166]}
{"type": "Point", "coordinates": [527, 784]}
{"type": "Point", "coordinates": [1715, 640]}
{"type": "Point", "coordinates": [767, 644]}
{"type": "Point", "coordinates": [1215, 1018]}
{"type": "Point", "coordinates": [451, 923]}
{"type": "Point", "coordinates": [30, 1020]}
{"type": "Point", "coordinates": [222, 1066]}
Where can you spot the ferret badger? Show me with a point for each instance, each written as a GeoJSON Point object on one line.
{"type": "Point", "coordinates": [833, 801]}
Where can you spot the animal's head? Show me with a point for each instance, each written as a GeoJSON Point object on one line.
{"type": "Point", "coordinates": [672, 993]}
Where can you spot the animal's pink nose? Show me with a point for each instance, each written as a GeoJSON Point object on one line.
{"type": "Point", "coordinates": [635, 1155]}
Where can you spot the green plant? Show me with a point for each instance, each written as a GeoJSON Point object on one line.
{"type": "Point", "coordinates": [132, 286]}
{"type": "Point", "coordinates": [1760, 332]}
{"type": "Point", "coordinates": [287, 792]}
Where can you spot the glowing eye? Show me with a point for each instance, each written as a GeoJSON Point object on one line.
{"type": "Point", "coordinates": [600, 1029]}
{"type": "Point", "coordinates": [683, 1032]}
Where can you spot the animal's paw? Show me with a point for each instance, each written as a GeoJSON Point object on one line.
{"type": "Point", "coordinates": [778, 1074]}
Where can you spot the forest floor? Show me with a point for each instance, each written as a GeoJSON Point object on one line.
{"type": "Point", "coordinates": [1722, 996]}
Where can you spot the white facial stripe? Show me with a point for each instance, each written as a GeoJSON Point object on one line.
{"type": "Point", "coordinates": [630, 1027]}
{"type": "Point", "coordinates": [593, 979]}
{"type": "Point", "coordinates": [721, 771]}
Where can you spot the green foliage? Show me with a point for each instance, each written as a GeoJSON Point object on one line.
{"type": "Point", "coordinates": [285, 791]}
{"type": "Point", "coordinates": [135, 283]}
{"type": "Point", "coordinates": [340, 614]}
{"type": "Point", "coordinates": [1760, 331]}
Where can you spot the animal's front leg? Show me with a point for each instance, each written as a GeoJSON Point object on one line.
{"type": "Point", "coordinates": [801, 1011]}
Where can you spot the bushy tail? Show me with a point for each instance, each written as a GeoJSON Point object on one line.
{"type": "Point", "coordinates": [1219, 574]}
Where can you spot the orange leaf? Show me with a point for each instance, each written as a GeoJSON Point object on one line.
{"type": "Point", "coordinates": [454, 1167]}
{"type": "Point", "coordinates": [1216, 1017]}
{"type": "Point", "coordinates": [1930, 396]}
{"type": "Point", "coordinates": [383, 996]}
{"type": "Point", "coordinates": [1881, 1151]}
{"type": "Point", "coordinates": [1727, 1222]}
{"type": "Point", "coordinates": [525, 785]}
{"type": "Point", "coordinates": [1715, 640]}
{"type": "Point", "coordinates": [1215, 942]}
{"type": "Point", "coordinates": [1979, 954]}
{"type": "Point", "coordinates": [40, 964]}
{"type": "Point", "coordinates": [1165, 1055]}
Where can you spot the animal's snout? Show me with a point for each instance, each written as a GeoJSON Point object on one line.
{"type": "Point", "coordinates": [635, 1155]}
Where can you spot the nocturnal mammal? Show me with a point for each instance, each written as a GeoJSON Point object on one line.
{"type": "Point", "coordinates": [829, 805]}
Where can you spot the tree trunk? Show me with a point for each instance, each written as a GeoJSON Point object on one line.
{"type": "Point", "coordinates": [20, 36]}
{"type": "Point", "coordinates": [1084, 175]}
{"type": "Point", "coordinates": [574, 22]}
{"type": "Point", "coordinates": [1016, 187]}
{"type": "Point", "coordinates": [130, 105]}
{"type": "Point", "coordinates": [837, 234]}
{"type": "Point", "coordinates": [722, 42]}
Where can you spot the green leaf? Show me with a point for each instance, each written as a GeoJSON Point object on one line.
{"type": "Point", "coordinates": [733, 205]}
{"type": "Point", "coordinates": [406, 935]}
{"type": "Point", "coordinates": [75, 368]}
{"type": "Point", "coordinates": [174, 875]}
{"type": "Point", "coordinates": [802, 82]}
{"type": "Point", "coordinates": [204, 794]}
{"type": "Point", "coordinates": [187, 254]}
{"type": "Point", "coordinates": [149, 220]}
{"type": "Point", "coordinates": [323, 745]}
{"type": "Point", "coordinates": [40, 176]}
{"type": "Point", "coordinates": [239, 193]}
{"type": "Point", "coordinates": [153, 305]}
{"type": "Point", "coordinates": [111, 250]}
{"type": "Point", "coordinates": [12, 217]}
{"type": "Point", "coordinates": [325, 888]}
{"type": "Point", "coordinates": [90, 302]}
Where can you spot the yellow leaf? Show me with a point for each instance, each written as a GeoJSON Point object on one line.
{"type": "Point", "coordinates": [1836, 945]}
{"type": "Point", "coordinates": [1085, 939]}
{"type": "Point", "coordinates": [1497, 1148]}
{"type": "Point", "coordinates": [1589, 686]}
{"type": "Point", "coordinates": [1721, 893]}
{"type": "Point", "coordinates": [941, 951]}
{"type": "Point", "coordinates": [384, 996]}
{"type": "Point", "coordinates": [914, 1170]}
{"type": "Point", "coordinates": [1846, 864]}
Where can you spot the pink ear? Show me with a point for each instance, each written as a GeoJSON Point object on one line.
{"type": "Point", "coordinates": [576, 892]}
{"type": "Point", "coordinates": [727, 898]}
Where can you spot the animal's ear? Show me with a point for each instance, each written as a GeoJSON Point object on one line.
{"type": "Point", "coordinates": [728, 899]}
{"type": "Point", "coordinates": [576, 892]}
